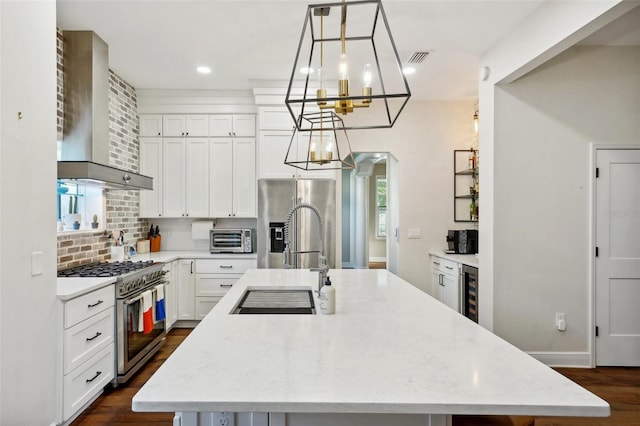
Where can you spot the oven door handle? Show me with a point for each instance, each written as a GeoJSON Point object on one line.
{"type": "Point", "coordinates": [135, 299]}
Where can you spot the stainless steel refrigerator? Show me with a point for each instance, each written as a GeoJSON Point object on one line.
{"type": "Point", "coordinates": [275, 198]}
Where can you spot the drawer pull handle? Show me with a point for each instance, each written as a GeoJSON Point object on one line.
{"type": "Point", "coordinates": [226, 285]}
{"type": "Point", "coordinates": [226, 266]}
{"type": "Point", "coordinates": [95, 304]}
{"type": "Point", "coordinates": [94, 377]}
{"type": "Point", "coordinates": [98, 334]}
{"type": "Point", "coordinates": [448, 267]}
{"type": "Point", "coordinates": [436, 263]}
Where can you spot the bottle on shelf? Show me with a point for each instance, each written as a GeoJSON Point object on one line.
{"type": "Point", "coordinates": [472, 159]}
{"type": "Point", "coordinates": [472, 209]}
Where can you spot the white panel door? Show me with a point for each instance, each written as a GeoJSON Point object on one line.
{"type": "Point", "coordinates": [618, 260]}
{"type": "Point", "coordinates": [221, 125]}
{"type": "Point", "coordinates": [244, 177]}
{"type": "Point", "coordinates": [197, 177]}
{"type": "Point", "coordinates": [221, 177]}
{"type": "Point", "coordinates": [151, 165]}
{"type": "Point", "coordinates": [173, 162]}
{"type": "Point", "coordinates": [173, 125]}
{"type": "Point", "coordinates": [272, 149]}
{"type": "Point", "coordinates": [150, 125]}
{"type": "Point", "coordinates": [244, 125]}
{"type": "Point", "coordinates": [197, 125]}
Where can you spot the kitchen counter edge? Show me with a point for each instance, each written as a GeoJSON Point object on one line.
{"type": "Point", "coordinates": [464, 259]}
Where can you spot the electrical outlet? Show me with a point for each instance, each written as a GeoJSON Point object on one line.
{"type": "Point", "coordinates": [561, 321]}
{"type": "Point", "coordinates": [223, 419]}
{"type": "Point", "coordinates": [415, 233]}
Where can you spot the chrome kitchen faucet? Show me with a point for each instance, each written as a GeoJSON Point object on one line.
{"type": "Point", "coordinates": [322, 268]}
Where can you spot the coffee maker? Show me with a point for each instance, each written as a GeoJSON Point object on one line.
{"type": "Point", "coordinates": [463, 241]}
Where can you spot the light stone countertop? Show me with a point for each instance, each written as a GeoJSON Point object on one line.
{"type": "Point", "coordinates": [390, 348]}
{"type": "Point", "coordinates": [69, 288]}
{"type": "Point", "coordinates": [465, 259]}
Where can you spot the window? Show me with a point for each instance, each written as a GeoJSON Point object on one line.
{"type": "Point", "coordinates": [381, 206]}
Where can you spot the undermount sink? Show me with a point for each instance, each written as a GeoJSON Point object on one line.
{"type": "Point", "coordinates": [276, 301]}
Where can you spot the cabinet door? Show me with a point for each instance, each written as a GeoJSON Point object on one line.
{"type": "Point", "coordinates": [173, 177]}
{"type": "Point", "coordinates": [204, 305]}
{"type": "Point", "coordinates": [221, 125]}
{"type": "Point", "coordinates": [244, 125]}
{"type": "Point", "coordinates": [174, 290]}
{"type": "Point", "coordinates": [197, 177]}
{"type": "Point", "coordinates": [197, 125]}
{"type": "Point", "coordinates": [186, 289]}
{"type": "Point", "coordinates": [244, 177]}
{"type": "Point", "coordinates": [221, 177]}
{"type": "Point", "coordinates": [272, 150]}
{"type": "Point", "coordinates": [173, 125]}
{"type": "Point", "coordinates": [275, 118]}
{"type": "Point", "coordinates": [151, 165]}
{"type": "Point", "coordinates": [451, 296]}
{"type": "Point", "coordinates": [150, 125]}
{"type": "Point", "coordinates": [168, 295]}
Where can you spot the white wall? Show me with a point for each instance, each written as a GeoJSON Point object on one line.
{"type": "Point", "coordinates": [29, 334]}
{"type": "Point", "coordinates": [548, 119]}
{"type": "Point", "coordinates": [552, 28]}
{"type": "Point", "coordinates": [423, 140]}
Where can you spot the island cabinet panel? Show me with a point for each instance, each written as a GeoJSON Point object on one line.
{"type": "Point", "coordinates": [312, 419]}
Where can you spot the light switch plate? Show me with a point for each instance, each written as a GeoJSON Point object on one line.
{"type": "Point", "coordinates": [415, 233]}
{"type": "Point", "coordinates": [36, 263]}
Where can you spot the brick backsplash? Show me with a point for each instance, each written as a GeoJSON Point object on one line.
{"type": "Point", "coordinates": [122, 207]}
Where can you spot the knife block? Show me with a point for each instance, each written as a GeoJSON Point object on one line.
{"type": "Point", "coordinates": [155, 243]}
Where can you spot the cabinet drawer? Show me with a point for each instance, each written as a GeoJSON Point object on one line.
{"type": "Point", "coordinates": [214, 284]}
{"type": "Point", "coordinates": [87, 338]}
{"type": "Point", "coordinates": [444, 266]}
{"type": "Point", "coordinates": [85, 306]}
{"type": "Point", "coordinates": [224, 266]}
{"type": "Point", "coordinates": [204, 305]}
{"type": "Point", "coordinates": [86, 381]}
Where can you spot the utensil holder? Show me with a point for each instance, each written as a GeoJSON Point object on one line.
{"type": "Point", "coordinates": [117, 253]}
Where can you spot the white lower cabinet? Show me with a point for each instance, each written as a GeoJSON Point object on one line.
{"type": "Point", "coordinates": [214, 278]}
{"type": "Point", "coordinates": [445, 280]}
{"type": "Point", "coordinates": [88, 348]}
{"type": "Point", "coordinates": [186, 290]}
{"type": "Point", "coordinates": [171, 293]}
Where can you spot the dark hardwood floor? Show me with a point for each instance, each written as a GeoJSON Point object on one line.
{"type": "Point", "coordinates": [618, 386]}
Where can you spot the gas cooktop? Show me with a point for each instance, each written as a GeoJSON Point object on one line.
{"type": "Point", "coordinates": [104, 269]}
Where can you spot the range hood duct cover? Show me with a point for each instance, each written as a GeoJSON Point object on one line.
{"type": "Point", "coordinates": [85, 145]}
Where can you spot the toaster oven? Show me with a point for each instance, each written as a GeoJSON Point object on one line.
{"type": "Point", "coordinates": [232, 240]}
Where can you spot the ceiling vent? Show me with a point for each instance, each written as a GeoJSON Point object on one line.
{"type": "Point", "coordinates": [418, 57]}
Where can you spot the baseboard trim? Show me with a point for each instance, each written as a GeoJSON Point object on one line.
{"type": "Point", "coordinates": [563, 359]}
{"type": "Point", "coordinates": [377, 259]}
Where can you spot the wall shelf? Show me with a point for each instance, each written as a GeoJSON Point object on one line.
{"type": "Point", "coordinates": [465, 185]}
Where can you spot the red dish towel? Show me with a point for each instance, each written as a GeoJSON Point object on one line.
{"type": "Point", "coordinates": [147, 311]}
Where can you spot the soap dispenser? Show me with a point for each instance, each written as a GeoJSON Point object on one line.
{"type": "Point", "coordinates": [328, 298]}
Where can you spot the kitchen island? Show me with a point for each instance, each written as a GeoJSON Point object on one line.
{"type": "Point", "coordinates": [391, 354]}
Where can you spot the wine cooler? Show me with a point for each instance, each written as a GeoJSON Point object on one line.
{"type": "Point", "coordinates": [470, 292]}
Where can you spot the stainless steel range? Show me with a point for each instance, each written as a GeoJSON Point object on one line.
{"type": "Point", "coordinates": [134, 344]}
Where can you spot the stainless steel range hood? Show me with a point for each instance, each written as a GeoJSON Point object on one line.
{"type": "Point", "coordinates": [85, 145]}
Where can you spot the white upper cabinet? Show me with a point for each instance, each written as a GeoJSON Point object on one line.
{"type": "Point", "coordinates": [228, 125]}
{"type": "Point", "coordinates": [272, 149]}
{"type": "Point", "coordinates": [150, 125]}
{"type": "Point", "coordinates": [233, 177]}
{"type": "Point", "coordinates": [173, 167]}
{"type": "Point", "coordinates": [151, 165]}
{"type": "Point", "coordinates": [197, 177]}
{"type": "Point", "coordinates": [275, 118]}
{"type": "Point", "coordinates": [185, 125]}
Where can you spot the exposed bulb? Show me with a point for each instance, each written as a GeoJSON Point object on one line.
{"type": "Point", "coordinates": [367, 75]}
{"type": "Point", "coordinates": [343, 69]}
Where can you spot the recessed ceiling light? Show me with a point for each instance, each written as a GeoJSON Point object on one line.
{"type": "Point", "coordinates": [408, 70]}
{"type": "Point", "coordinates": [203, 69]}
{"type": "Point", "coordinates": [306, 70]}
